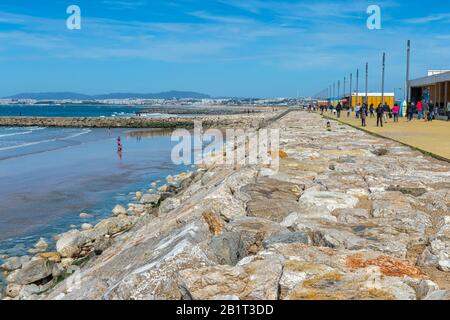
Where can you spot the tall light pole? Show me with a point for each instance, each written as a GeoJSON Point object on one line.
{"type": "Point", "coordinates": [339, 89]}
{"type": "Point", "coordinates": [408, 57]}
{"type": "Point", "coordinates": [351, 83]}
{"type": "Point", "coordinates": [382, 78]}
{"type": "Point", "coordinates": [345, 84]}
{"type": "Point", "coordinates": [357, 86]}
{"type": "Point", "coordinates": [367, 83]}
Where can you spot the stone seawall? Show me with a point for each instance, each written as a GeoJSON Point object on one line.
{"type": "Point", "coordinates": [347, 216]}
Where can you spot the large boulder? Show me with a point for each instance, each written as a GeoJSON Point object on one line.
{"type": "Point", "coordinates": [150, 198]}
{"type": "Point", "coordinates": [112, 226]}
{"type": "Point", "coordinates": [168, 205]}
{"type": "Point", "coordinates": [253, 278]}
{"type": "Point", "coordinates": [69, 244]}
{"type": "Point", "coordinates": [228, 248]}
{"type": "Point", "coordinates": [272, 199]}
{"type": "Point", "coordinates": [35, 270]}
{"type": "Point", "coordinates": [14, 263]}
{"type": "Point", "coordinates": [118, 210]}
{"type": "Point", "coordinates": [292, 237]}
{"type": "Point", "coordinates": [328, 201]}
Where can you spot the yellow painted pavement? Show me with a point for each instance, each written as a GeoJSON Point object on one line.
{"type": "Point", "coordinates": [432, 137]}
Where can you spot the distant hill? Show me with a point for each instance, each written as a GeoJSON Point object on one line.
{"type": "Point", "coordinates": [79, 96]}
{"type": "Point", "coordinates": [50, 96]}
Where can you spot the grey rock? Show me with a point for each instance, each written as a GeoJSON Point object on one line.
{"type": "Point", "coordinates": [41, 245]}
{"type": "Point", "coordinates": [380, 152]}
{"type": "Point", "coordinates": [439, 295]}
{"type": "Point", "coordinates": [57, 270]}
{"type": "Point", "coordinates": [118, 210]}
{"type": "Point", "coordinates": [101, 245]}
{"type": "Point", "coordinates": [294, 237]}
{"type": "Point", "coordinates": [151, 199]}
{"type": "Point", "coordinates": [11, 264]}
{"type": "Point", "coordinates": [168, 205]}
{"type": "Point", "coordinates": [227, 247]}
{"type": "Point", "coordinates": [86, 226]}
{"type": "Point", "coordinates": [69, 245]}
{"type": "Point", "coordinates": [427, 259]}
{"type": "Point", "coordinates": [416, 192]}
{"type": "Point", "coordinates": [444, 265]}
{"type": "Point", "coordinates": [114, 225]}
{"type": "Point", "coordinates": [29, 292]}
{"type": "Point", "coordinates": [84, 215]}
{"type": "Point", "coordinates": [13, 290]}
{"type": "Point", "coordinates": [35, 270]}
{"type": "Point", "coordinates": [425, 288]}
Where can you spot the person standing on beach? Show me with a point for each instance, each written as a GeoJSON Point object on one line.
{"type": "Point", "coordinates": [380, 111]}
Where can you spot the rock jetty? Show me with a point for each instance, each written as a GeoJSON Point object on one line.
{"type": "Point", "coordinates": [347, 216]}
{"type": "Point", "coordinates": [231, 120]}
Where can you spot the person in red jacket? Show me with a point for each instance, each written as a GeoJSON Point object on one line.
{"type": "Point", "coordinates": [395, 112]}
{"type": "Point", "coordinates": [419, 108]}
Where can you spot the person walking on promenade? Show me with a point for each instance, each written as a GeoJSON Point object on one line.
{"type": "Point", "coordinates": [364, 113]}
{"type": "Point", "coordinates": [419, 108]}
{"type": "Point", "coordinates": [430, 111]}
{"type": "Point", "coordinates": [338, 109]}
{"type": "Point", "coordinates": [409, 111]}
{"type": "Point", "coordinates": [372, 109]}
{"type": "Point", "coordinates": [395, 112]}
{"type": "Point", "coordinates": [380, 111]}
{"type": "Point", "coordinates": [387, 111]}
{"type": "Point", "coordinates": [426, 111]}
{"type": "Point", "coordinates": [448, 111]}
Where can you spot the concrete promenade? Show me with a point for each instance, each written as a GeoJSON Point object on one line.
{"type": "Point", "coordinates": [432, 137]}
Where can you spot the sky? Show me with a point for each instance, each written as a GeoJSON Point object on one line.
{"type": "Point", "coordinates": [236, 48]}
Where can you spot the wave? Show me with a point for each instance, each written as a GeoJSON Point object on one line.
{"type": "Point", "coordinates": [45, 141]}
{"type": "Point", "coordinates": [157, 115]}
{"type": "Point", "coordinates": [15, 134]}
{"type": "Point", "coordinates": [20, 131]}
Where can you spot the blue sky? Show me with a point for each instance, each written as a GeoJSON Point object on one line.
{"type": "Point", "coordinates": [257, 48]}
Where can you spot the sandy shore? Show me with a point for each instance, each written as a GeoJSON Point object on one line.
{"type": "Point", "coordinates": [347, 216]}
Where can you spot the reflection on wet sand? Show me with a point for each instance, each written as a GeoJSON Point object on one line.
{"type": "Point", "coordinates": [164, 132]}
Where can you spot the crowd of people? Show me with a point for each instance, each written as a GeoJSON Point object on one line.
{"type": "Point", "coordinates": [383, 112]}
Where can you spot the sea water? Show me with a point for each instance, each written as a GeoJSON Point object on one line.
{"type": "Point", "coordinates": [48, 176]}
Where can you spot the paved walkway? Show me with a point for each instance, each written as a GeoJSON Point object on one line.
{"type": "Point", "coordinates": [433, 137]}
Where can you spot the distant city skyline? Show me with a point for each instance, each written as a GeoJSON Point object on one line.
{"type": "Point", "coordinates": [221, 48]}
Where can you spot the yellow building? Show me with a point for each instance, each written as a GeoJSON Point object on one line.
{"type": "Point", "coordinates": [374, 98]}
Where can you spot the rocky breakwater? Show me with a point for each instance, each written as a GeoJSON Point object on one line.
{"type": "Point", "coordinates": [346, 216]}
{"type": "Point", "coordinates": [232, 120]}
{"type": "Point", "coordinates": [28, 277]}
